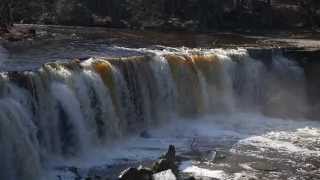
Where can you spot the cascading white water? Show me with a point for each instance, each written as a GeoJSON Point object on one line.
{"type": "Point", "coordinates": [64, 109]}
{"type": "Point", "coordinates": [3, 55]}
{"type": "Point", "coordinates": [19, 146]}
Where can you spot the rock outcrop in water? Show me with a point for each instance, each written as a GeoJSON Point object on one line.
{"type": "Point", "coordinates": [167, 162]}
{"type": "Point", "coordinates": [164, 169]}
{"type": "Point", "coordinates": [64, 109]}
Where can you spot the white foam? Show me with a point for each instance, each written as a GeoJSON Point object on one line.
{"type": "Point", "coordinates": [254, 130]}
{"type": "Point", "coordinates": [188, 167]}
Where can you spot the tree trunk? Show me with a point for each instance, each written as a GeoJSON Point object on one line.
{"type": "Point", "coordinates": [5, 14]}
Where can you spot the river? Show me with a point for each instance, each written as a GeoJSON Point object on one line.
{"type": "Point", "coordinates": [73, 102]}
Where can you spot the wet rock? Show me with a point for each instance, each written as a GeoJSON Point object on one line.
{"type": "Point", "coordinates": [164, 168]}
{"type": "Point", "coordinates": [167, 161]}
{"type": "Point", "coordinates": [75, 171]}
{"type": "Point", "coordinates": [136, 174]}
{"type": "Point", "coordinates": [221, 156]}
{"type": "Point", "coordinates": [164, 175]}
{"type": "Point", "coordinates": [129, 174]}
{"type": "Point", "coordinates": [96, 178]}
{"type": "Point", "coordinates": [190, 178]}
{"type": "Point", "coordinates": [164, 164]}
{"type": "Point", "coordinates": [171, 154]}
{"type": "Point", "coordinates": [161, 165]}
{"type": "Point", "coordinates": [211, 156]}
{"type": "Point", "coordinates": [145, 173]}
{"type": "Point", "coordinates": [145, 134]}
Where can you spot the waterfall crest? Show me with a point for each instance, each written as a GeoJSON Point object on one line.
{"type": "Point", "coordinates": [65, 108]}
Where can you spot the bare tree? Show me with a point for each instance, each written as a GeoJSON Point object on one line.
{"type": "Point", "coordinates": [310, 7]}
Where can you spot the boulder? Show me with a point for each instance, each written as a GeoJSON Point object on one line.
{"type": "Point", "coordinates": [171, 154]}
{"type": "Point", "coordinates": [164, 175]}
{"type": "Point", "coordinates": [136, 174]}
{"type": "Point", "coordinates": [129, 174]}
{"type": "Point", "coordinates": [161, 165]}
{"type": "Point", "coordinates": [145, 134]}
{"type": "Point", "coordinates": [164, 167]}
{"type": "Point", "coordinates": [145, 173]}
{"type": "Point", "coordinates": [190, 178]}
{"type": "Point", "coordinates": [166, 162]}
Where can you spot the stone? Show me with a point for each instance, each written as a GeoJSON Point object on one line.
{"type": "Point", "coordinates": [136, 174]}
{"type": "Point", "coordinates": [211, 156]}
{"type": "Point", "coordinates": [164, 164]}
{"type": "Point", "coordinates": [145, 173]}
{"type": "Point", "coordinates": [171, 154]}
{"type": "Point", "coordinates": [164, 175]}
{"type": "Point", "coordinates": [129, 174]}
{"type": "Point", "coordinates": [145, 134]}
{"type": "Point", "coordinates": [167, 161]}
{"type": "Point", "coordinates": [74, 170]}
{"type": "Point", "coordinates": [190, 178]}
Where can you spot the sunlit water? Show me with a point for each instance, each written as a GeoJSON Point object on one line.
{"type": "Point", "coordinates": [28, 56]}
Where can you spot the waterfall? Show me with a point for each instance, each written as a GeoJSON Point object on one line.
{"type": "Point", "coordinates": [3, 55]}
{"type": "Point", "coordinates": [64, 109]}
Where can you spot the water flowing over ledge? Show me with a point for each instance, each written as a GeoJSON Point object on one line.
{"type": "Point", "coordinates": [64, 109]}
